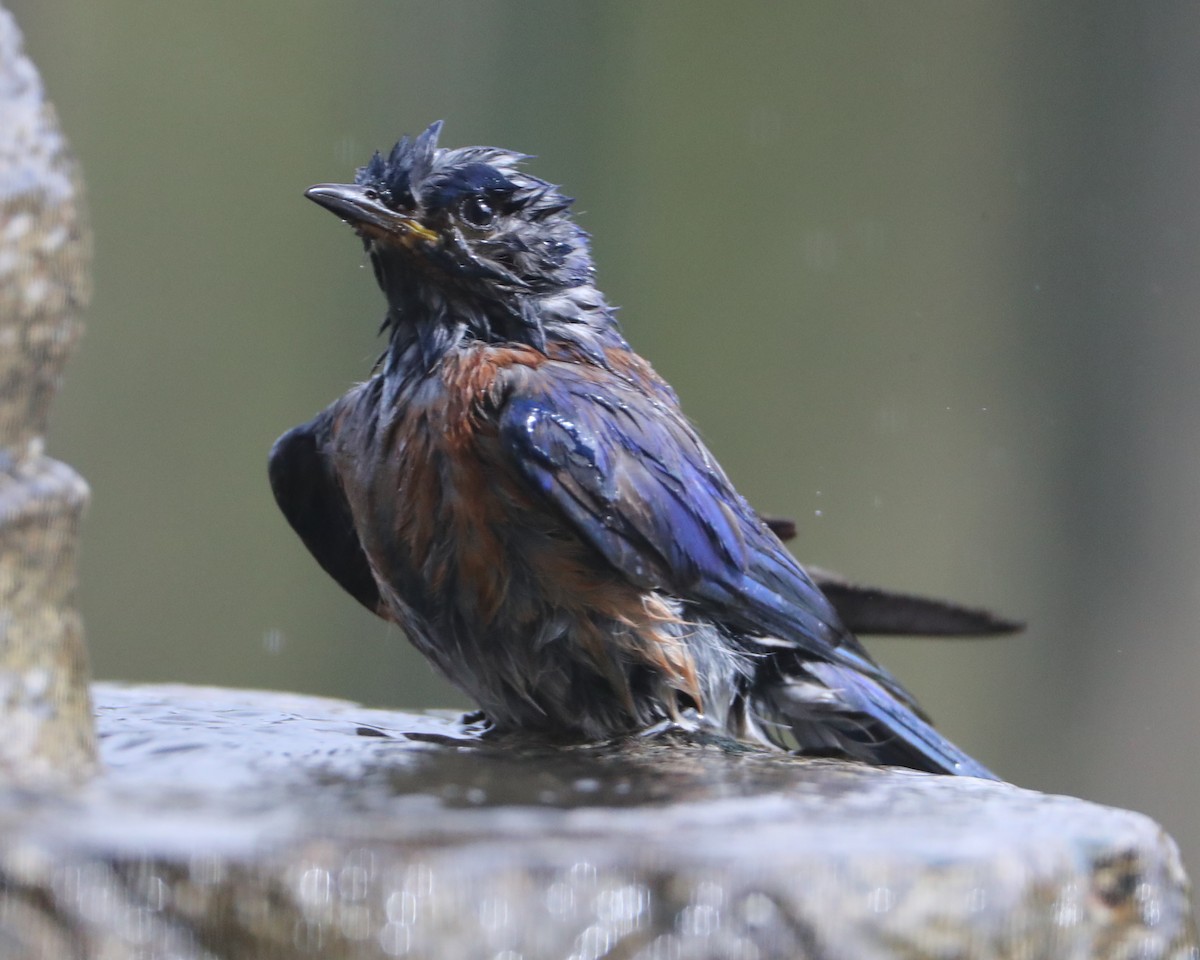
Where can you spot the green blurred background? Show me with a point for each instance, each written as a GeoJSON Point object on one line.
{"type": "Point", "coordinates": [925, 274]}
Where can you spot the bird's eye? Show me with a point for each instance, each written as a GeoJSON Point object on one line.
{"type": "Point", "coordinates": [476, 211]}
{"type": "Point", "coordinates": [370, 194]}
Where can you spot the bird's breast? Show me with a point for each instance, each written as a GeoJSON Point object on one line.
{"type": "Point", "coordinates": [432, 501]}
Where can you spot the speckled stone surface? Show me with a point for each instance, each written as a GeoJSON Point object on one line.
{"type": "Point", "coordinates": [246, 824]}
{"type": "Point", "coordinates": [45, 247]}
{"type": "Point", "coordinates": [44, 284]}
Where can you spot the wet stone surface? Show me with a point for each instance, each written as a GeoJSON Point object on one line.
{"type": "Point", "coordinates": [251, 824]}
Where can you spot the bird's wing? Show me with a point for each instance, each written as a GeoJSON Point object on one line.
{"type": "Point", "coordinates": [311, 498]}
{"type": "Point", "coordinates": [637, 483]}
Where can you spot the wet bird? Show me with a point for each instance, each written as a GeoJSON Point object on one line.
{"type": "Point", "coordinates": [520, 492]}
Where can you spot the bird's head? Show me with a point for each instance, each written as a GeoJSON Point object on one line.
{"type": "Point", "coordinates": [463, 238]}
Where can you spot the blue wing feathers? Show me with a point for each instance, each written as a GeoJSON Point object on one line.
{"type": "Point", "coordinates": [866, 697]}
{"type": "Point", "coordinates": [645, 482]}
{"type": "Point", "coordinates": [615, 492]}
{"type": "Point", "coordinates": [637, 483]}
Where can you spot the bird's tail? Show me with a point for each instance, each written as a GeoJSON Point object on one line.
{"type": "Point", "coordinates": [829, 707]}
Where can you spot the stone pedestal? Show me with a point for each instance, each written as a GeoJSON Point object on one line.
{"type": "Point", "coordinates": [45, 714]}
{"type": "Point", "coordinates": [235, 824]}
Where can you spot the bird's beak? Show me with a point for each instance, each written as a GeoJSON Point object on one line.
{"type": "Point", "coordinates": [369, 215]}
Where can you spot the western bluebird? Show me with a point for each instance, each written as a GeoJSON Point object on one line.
{"type": "Point", "coordinates": [520, 492]}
